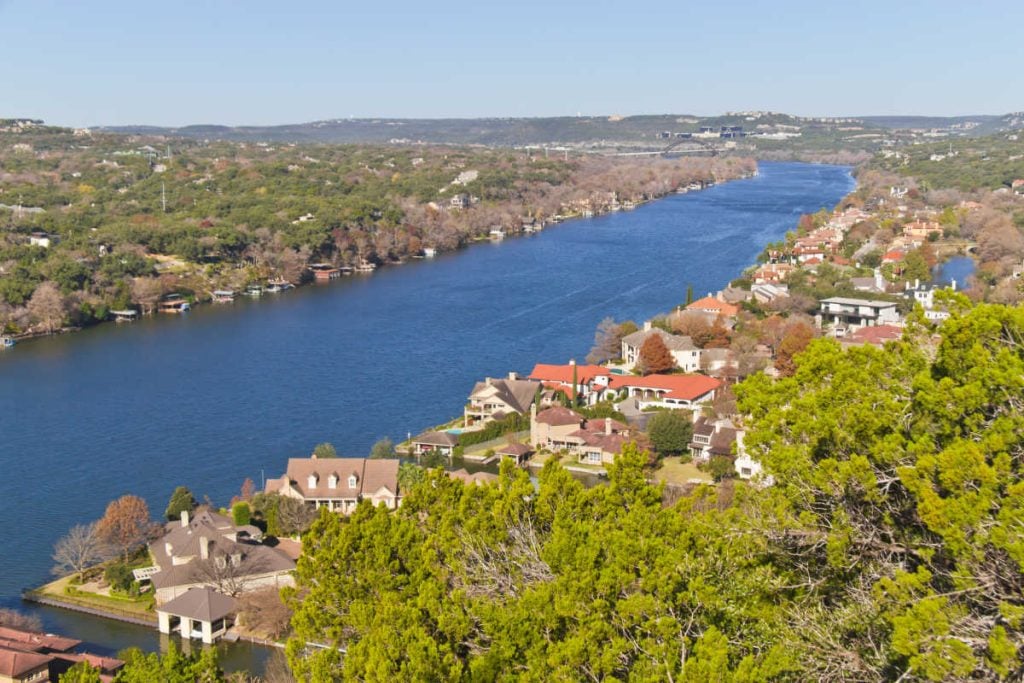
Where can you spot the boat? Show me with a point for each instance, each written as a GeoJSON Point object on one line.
{"type": "Point", "coordinates": [174, 303]}
{"type": "Point", "coordinates": [223, 296]}
{"type": "Point", "coordinates": [126, 315]}
{"type": "Point", "coordinates": [254, 290]}
{"type": "Point", "coordinates": [6, 341]}
{"type": "Point", "coordinates": [324, 271]}
{"type": "Point", "coordinates": [366, 267]}
{"type": "Point", "coordinates": [276, 286]}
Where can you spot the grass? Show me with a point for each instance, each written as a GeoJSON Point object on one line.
{"type": "Point", "coordinates": [674, 471]}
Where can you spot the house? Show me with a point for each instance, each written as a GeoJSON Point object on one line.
{"type": "Point", "coordinates": [339, 483]}
{"type": "Point", "coordinates": [768, 293]}
{"type": "Point", "coordinates": [517, 452]}
{"type": "Point", "coordinates": [874, 284]}
{"type": "Point", "coordinates": [595, 441]}
{"type": "Point", "coordinates": [459, 201]}
{"type": "Point", "coordinates": [710, 304]}
{"type": "Point", "coordinates": [444, 443]}
{"type": "Point", "coordinates": [720, 363]}
{"type": "Point", "coordinates": [209, 551]}
{"type": "Point", "coordinates": [588, 381]}
{"type": "Point", "coordinates": [921, 230]}
{"type": "Point", "coordinates": [28, 656]}
{"type": "Point", "coordinates": [856, 313]}
{"type": "Point", "coordinates": [551, 428]}
{"type": "Point", "coordinates": [683, 350]}
{"type": "Point", "coordinates": [200, 613]}
{"type": "Point", "coordinates": [494, 399]}
{"type": "Point", "coordinates": [43, 239]}
{"type": "Point", "coordinates": [667, 391]}
{"type": "Point", "coordinates": [771, 273]}
{"type": "Point", "coordinates": [712, 437]}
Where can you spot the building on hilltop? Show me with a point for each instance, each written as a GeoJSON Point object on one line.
{"type": "Point", "coordinates": [684, 352]}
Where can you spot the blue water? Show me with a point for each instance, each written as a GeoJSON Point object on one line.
{"type": "Point", "coordinates": [223, 393]}
{"type": "Point", "coordinates": [958, 269]}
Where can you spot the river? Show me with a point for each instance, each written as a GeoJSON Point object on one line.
{"type": "Point", "coordinates": [228, 392]}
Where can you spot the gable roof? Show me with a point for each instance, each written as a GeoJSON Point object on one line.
{"type": "Point", "coordinates": [558, 416]}
{"type": "Point", "coordinates": [380, 474]}
{"type": "Point", "coordinates": [437, 439]}
{"type": "Point", "coordinates": [514, 449]}
{"type": "Point", "coordinates": [16, 663]}
{"type": "Point", "coordinates": [516, 393]}
{"type": "Point", "coordinates": [876, 335]}
{"type": "Point", "coordinates": [300, 469]}
{"type": "Point", "coordinates": [201, 604]}
{"type": "Point", "coordinates": [673, 342]}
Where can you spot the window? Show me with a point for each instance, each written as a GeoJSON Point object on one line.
{"type": "Point", "coordinates": [745, 471]}
{"type": "Point", "coordinates": [352, 481]}
{"type": "Point", "coordinates": [220, 562]}
{"type": "Point", "coordinates": [594, 458]}
{"type": "Point", "coordinates": [332, 481]}
{"type": "Point", "coordinates": [311, 483]}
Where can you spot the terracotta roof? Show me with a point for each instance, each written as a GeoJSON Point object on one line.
{"type": "Point", "coordinates": [876, 335]}
{"type": "Point", "coordinates": [585, 374]}
{"type": "Point", "coordinates": [559, 416]}
{"type": "Point", "coordinates": [710, 303]}
{"type": "Point", "coordinates": [202, 604]}
{"type": "Point", "coordinates": [688, 387]}
{"type": "Point", "coordinates": [16, 663]}
{"type": "Point", "coordinates": [30, 640]}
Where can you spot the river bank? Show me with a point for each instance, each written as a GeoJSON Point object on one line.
{"type": "Point", "coordinates": [208, 398]}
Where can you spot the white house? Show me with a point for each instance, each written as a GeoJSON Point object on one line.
{"type": "Point", "coordinates": [683, 350]}
{"type": "Point", "coordinates": [857, 313]}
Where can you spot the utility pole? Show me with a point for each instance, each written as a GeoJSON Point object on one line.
{"type": "Point", "coordinates": [163, 195]}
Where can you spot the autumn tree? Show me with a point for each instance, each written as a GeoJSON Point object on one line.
{"type": "Point", "coordinates": [126, 524]}
{"type": "Point", "coordinates": [608, 340]}
{"type": "Point", "coordinates": [795, 340]}
{"type": "Point", "coordinates": [654, 356]}
{"type": "Point", "coordinates": [79, 549]}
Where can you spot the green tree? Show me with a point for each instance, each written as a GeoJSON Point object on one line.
{"type": "Point", "coordinates": [325, 450]}
{"type": "Point", "coordinates": [181, 500]}
{"type": "Point", "coordinates": [670, 431]}
{"type": "Point", "coordinates": [240, 513]}
{"type": "Point", "coordinates": [82, 672]}
{"type": "Point", "coordinates": [383, 448]}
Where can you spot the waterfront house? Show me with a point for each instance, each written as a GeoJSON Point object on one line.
{"type": "Point", "coordinates": [26, 656]}
{"type": "Point", "coordinates": [594, 442]}
{"type": "Point", "coordinates": [684, 352]}
{"type": "Point", "coordinates": [493, 399]}
{"type": "Point", "coordinates": [667, 391]}
{"type": "Point", "coordinates": [444, 443]}
{"type": "Point", "coordinates": [851, 314]}
{"type": "Point", "coordinates": [223, 296]}
{"type": "Point", "coordinates": [477, 478]}
{"type": "Point", "coordinates": [339, 483]}
{"type": "Point", "coordinates": [713, 305]}
{"type": "Point", "coordinates": [588, 381]}
{"type": "Point", "coordinates": [323, 272]}
{"type": "Point", "coordinates": [209, 551]}
{"type": "Point", "coordinates": [199, 613]}
{"type": "Point", "coordinates": [550, 428]}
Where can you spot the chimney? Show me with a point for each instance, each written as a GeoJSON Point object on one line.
{"type": "Point", "coordinates": [917, 283]}
{"type": "Point", "coordinates": [718, 426]}
{"type": "Point", "coordinates": [204, 548]}
{"type": "Point", "coordinates": [184, 518]}
{"type": "Point", "coordinates": [647, 326]}
{"type": "Point", "coordinates": [607, 425]}
{"type": "Point", "coordinates": [487, 381]}
{"type": "Point", "coordinates": [572, 361]}
{"type": "Point", "coordinates": [168, 549]}
{"type": "Point", "coordinates": [513, 375]}
{"type": "Point", "coordinates": [952, 283]}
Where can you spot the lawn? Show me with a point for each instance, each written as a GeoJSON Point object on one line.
{"type": "Point", "coordinates": [674, 471]}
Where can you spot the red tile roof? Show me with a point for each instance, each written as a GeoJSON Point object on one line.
{"type": "Point", "coordinates": [874, 334]}
{"type": "Point", "coordinates": [688, 387]}
{"type": "Point", "coordinates": [710, 303]}
{"type": "Point", "coordinates": [585, 374]}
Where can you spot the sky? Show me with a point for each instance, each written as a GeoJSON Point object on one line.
{"type": "Point", "coordinates": [256, 62]}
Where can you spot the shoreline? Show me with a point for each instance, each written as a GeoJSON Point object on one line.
{"type": "Point", "coordinates": [557, 219]}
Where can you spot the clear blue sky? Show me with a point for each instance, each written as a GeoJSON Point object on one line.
{"type": "Point", "coordinates": [259, 62]}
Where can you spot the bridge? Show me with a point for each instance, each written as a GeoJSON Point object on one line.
{"type": "Point", "coordinates": [703, 147]}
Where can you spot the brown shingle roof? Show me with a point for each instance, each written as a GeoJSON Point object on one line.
{"type": "Point", "coordinates": [380, 474]}
{"type": "Point", "coordinates": [202, 604]}
{"type": "Point", "coordinates": [17, 663]}
{"type": "Point", "coordinates": [673, 342]}
{"type": "Point", "coordinates": [437, 439]}
{"type": "Point", "coordinates": [30, 640]}
{"type": "Point", "coordinates": [558, 416]}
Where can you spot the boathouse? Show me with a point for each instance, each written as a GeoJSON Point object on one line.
{"type": "Point", "coordinates": [200, 613]}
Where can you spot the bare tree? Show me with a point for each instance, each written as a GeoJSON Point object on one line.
{"type": "Point", "coordinates": [47, 307]}
{"type": "Point", "coordinates": [23, 622]}
{"type": "Point", "coordinates": [79, 549]}
{"type": "Point", "coordinates": [264, 613]}
{"type": "Point", "coordinates": [294, 516]}
{"type": "Point", "coordinates": [230, 573]}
